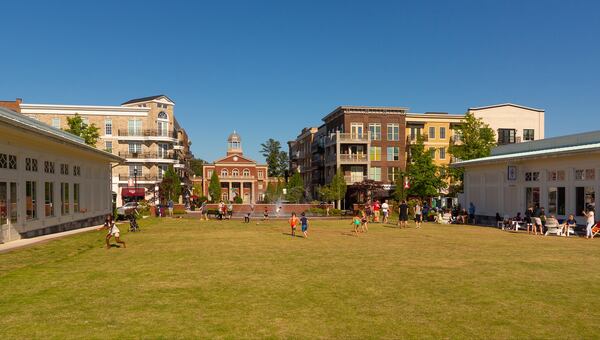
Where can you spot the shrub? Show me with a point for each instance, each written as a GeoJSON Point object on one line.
{"type": "Point", "coordinates": [238, 200]}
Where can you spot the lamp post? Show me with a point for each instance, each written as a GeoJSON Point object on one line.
{"type": "Point", "coordinates": [135, 183]}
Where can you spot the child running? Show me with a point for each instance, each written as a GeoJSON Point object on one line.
{"type": "Point", "coordinates": [364, 222]}
{"type": "Point", "coordinates": [356, 223]}
{"type": "Point", "coordinates": [113, 230]}
{"type": "Point", "coordinates": [304, 222]}
{"type": "Point", "coordinates": [266, 214]}
{"type": "Point", "coordinates": [293, 222]}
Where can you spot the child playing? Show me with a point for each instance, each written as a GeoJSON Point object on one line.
{"type": "Point", "coordinates": [364, 222]}
{"type": "Point", "coordinates": [304, 222]}
{"type": "Point", "coordinates": [266, 214]}
{"type": "Point", "coordinates": [113, 230]}
{"type": "Point", "coordinates": [356, 223]}
{"type": "Point", "coordinates": [293, 222]}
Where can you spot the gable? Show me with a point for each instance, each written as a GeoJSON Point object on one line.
{"type": "Point", "coordinates": [235, 159]}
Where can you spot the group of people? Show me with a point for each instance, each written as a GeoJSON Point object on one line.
{"type": "Point", "coordinates": [535, 221]}
{"type": "Point", "coordinates": [377, 212]}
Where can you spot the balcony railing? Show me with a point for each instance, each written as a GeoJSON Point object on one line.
{"type": "Point", "coordinates": [412, 139]}
{"type": "Point", "coordinates": [354, 179]}
{"type": "Point", "coordinates": [348, 137]}
{"type": "Point", "coordinates": [139, 178]}
{"type": "Point", "coordinates": [153, 155]}
{"type": "Point", "coordinates": [147, 133]}
{"type": "Point", "coordinates": [354, 158]}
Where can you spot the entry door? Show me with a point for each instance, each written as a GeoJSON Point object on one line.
{"type": "Point", "coordinates": [8, 208]}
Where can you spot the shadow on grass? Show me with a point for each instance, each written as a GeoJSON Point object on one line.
{"type": "Point", "coordinates": [289, 234]}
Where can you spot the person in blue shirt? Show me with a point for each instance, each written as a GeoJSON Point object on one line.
{"type": "Point", "coordinates": [304, 222]}
{"type": "Point", "coordinates": [569, 224]}
{"type": "Point", "coordinates": [472, 212]}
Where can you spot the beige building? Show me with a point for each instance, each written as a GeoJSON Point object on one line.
{"type": "Point", "coordinates": [144, 131]}
{"type": "Point", "coordinates": [50, 180]}
{"type": "Point", "coordinates": [559, 174]}
{"type": "Point", "coordinates": [512, 123]}
{"type": "Point", "coordinates": [437, 131]}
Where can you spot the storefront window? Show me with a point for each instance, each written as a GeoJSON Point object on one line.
{"type": "Point", "coordinates": [585, 198]}
{"type": "Point", "coordinates": [556, 201]}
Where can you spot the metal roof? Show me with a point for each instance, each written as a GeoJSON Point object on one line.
{"type": "Point", "coordinates": [20, 120]}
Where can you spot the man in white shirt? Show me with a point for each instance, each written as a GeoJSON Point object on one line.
{"type": "Point", "coordinates": [385, 208]}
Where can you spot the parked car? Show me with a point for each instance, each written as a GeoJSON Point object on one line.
{"type": "Point", "coordinates": [126, 209]}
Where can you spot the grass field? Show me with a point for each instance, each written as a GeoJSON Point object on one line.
{"type": "Point", "coordinates": [189, 279]}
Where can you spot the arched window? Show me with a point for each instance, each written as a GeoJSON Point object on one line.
{"type": "Point", "coordinates": [163, 124]}
{"type": "Point", "coordinates": [246, 173]}
{"type": "Point", "coordinates": [162, 115]}
{"type": "Point", "coordinates": [235, 172]}
{"type": "Point", "coordinates": [224, 173]}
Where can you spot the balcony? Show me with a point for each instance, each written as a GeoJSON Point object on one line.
{"type": "Point", "coordinates": [412, 139]}
{"type": "Point", "coordinates": [147, 133]}
{"type": "Point", "coordinates": [140, 178]}
{"type": "Point", "coordinates": [354, 179]}
{"type": "Point", "coordinates": [169, 156]}
{"type": "Point", "coordinates": [354, 158]}
{"type": "Point", "coordinates": [353, 138]}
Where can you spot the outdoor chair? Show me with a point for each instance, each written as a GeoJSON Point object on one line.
{"type": "Point", "coordinates": [554, 228]}
{"type": "Point", "coordinates": [504, 223]}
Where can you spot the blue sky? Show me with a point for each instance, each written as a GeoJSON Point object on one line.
{"type": "Point", "coordinates": [269, 68]}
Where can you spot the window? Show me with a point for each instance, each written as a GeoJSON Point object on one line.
{"type": "Point", "coordinates": [415, 132]}
{"type": "Point", "coordinates": [532, 197]}
{"type": "Point", "coordinates": [163, 148]}
{"type": "Point", "coordinates": [260, 174]}
{"type": "Point", "coordinates": [48, 167]}
{"type": "Point", "coordinates": [356, 130]}
{"type": "Point", "coordinates": [375, 129]}
{"type": "Point", "coordinates": [585, 174]}
{"type": "Point", "coordinates": [442, 153]}
{"type": "Point", "coordinates": [556, 201]}
{"type": "Point", "coordinates": [64, 169]}
{"type": "Point", "coordinates": [162, 168]}
{"type": "Point", "coordinates": [108, 147]}
{"type": "Point", "coordinates": [532, 176]}
{"type": "Point", "coordinates": [246, 173]}
{"type": "Point", "coordinates": [135, 171]}
{"type": "Point", "coordinates": [393, 153]}
{"type": "Point", "coordinates": [375, 173]}
{"type": "Point", "coordinates": [49, 198]}
{"type": "Point", "coordinates": [134, 127]}
{"type": "Point", "coordinates": [224, 173]}
{"type": "Point", "coordinates": [585, 198]}
{"type": "Point", "coordinates": [56, 123]}
{"type": "Point", "coordinates": [442, 132]}
{"type": "Point", "coordinates": [432, 132]}
{"type": "Point", "coordinates": [375, 153]}
{"type": "Point", "coordinates": [64, 198]}
{"type": "Point", "coordinates": [432, 153]}
{"type": "Point", "coordinates": [76, 198]}
{"type": "Point", "coordinates": [209, 173]}
{"type": "Point", "coordinates": [235, 173]}
{"type": "Point", "coordinates": [162, 115]}
{"type": "Point", "coordinates": [108, 127]}
{"type": "Point", "coordinates": [31, 164]}
{"type": "Point", "coordinates": [76, 171]}
{"type": "Point", "coordinates": [506, 136]}
{"type": "Point", "coordinates": [3, 160]}
{"type": "Point", "coordinates": [556, 175]}
{"type": "Point", "coordinates": [393, 132]}
{"type": "Point", "coordinates": [31, 200]}
{"type": "Point", "coordinates": [528, 134]}
{"type": "Point", "coordinates": [135, 148]}
{"type": "Point", "coordinates": [393, 173]}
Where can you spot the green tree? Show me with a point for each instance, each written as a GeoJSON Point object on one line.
{"type": "Point", "coordinates": [89, 133]}
{"type": "Point", "coordinates": [197, 165]}
{"type": "Point", "coordinates": [214, 187]}
{"type": "Point", "coordinates": [423, 174]}
{"type": "Point", "coordinates": [336, 190]}
{"type": "Point", "coordinates": [295, 188]}
{"type": "Point", "coordinates": [170, 186]}
{"type": "Point", "coordinates": [276, 159]}
{"type": "Point", "coordinates": [476, 140]}
{"type": "Point", "coordinates": [399, 191]}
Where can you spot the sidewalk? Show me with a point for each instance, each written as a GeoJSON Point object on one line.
{"type": "Point", "coordinates": [12, 245]}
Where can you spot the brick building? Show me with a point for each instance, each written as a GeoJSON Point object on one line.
{"type": "Point", "coordinates": [144, 131]}
{"type": "Point", "coordinates": [238, 174]}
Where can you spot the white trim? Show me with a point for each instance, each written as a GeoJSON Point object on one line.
{"type": "Point", "coordinates": [150, 160]}
{"type": "Point", "coordinates": [146, 138]}
{"type": "Point", "coordinates": [505, 104]}
{"type": "Point", "coordinates": [84, 110]}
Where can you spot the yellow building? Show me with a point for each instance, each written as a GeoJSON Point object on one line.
{"type": "Point", "coordinates": [436, 130]}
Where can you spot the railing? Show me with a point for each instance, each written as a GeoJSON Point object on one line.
{"type": "Point", "coordinates": [349, 158]}
{"type": "Point", "coordinates": [147, 133]}
{"type": "Point", "coordinates": [412, 139]}
{"type": "Point", "coordinates": [354, 179]}
{"type": "Point", "coordinates": [126, 177]}
{"type": "Point", "coordinates": [154, 155]}
{"type": "Point", "coordinates": [348, 137]}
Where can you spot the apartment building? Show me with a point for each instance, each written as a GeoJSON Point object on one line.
{"type": "Point", "coordinates": [143, 131]}
{"type": "Point", "coordinates": [437, 131]}
{"type": "Point", "coordinates": [300, 154]}
{"type": "Point", "coordinates": [512, 123]}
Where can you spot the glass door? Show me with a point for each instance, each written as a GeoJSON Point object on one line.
{"type": "Point", "coordinates": [13, 203]}
{"type": "Point", "coordinates": [356, 130]}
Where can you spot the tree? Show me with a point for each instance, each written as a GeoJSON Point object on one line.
{"type": "Point", "coordinates": [336, 190]}
{"type": "Point", "coordinates": [214, 187]}
{"type": "Point", "coordinates": [295, 188]}
{"type": "Point", "coordinates": [424, 175]}
{"type": "Point", "coordinates": [197, 165]}
{"type": "Point", "coordinates": [170, 186]}
{"type": "Point", "coordinates": [476, 140]}
{"type": "Point", "coordinates": [400, 191]}
{"type": "Point", "coordinates": [89, 133]}
{"type": "Point", "coordinates": [276, 159]}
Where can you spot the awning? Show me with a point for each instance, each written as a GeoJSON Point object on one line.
{"type": "Point", "coordinates": [133, 192]}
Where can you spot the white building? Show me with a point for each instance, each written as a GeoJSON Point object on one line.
{"type": "Point", "coordinates": [50, 180]}
{"type": "Point", "coordinates": [512, 123]}
{"type": "Point", "coordinates": [559, 174]}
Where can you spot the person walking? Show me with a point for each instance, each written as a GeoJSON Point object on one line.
{"type": "Point", "coordinates": [293, 223]}
{"type": "Point", "coordinates": [403, 214]}
{"type": "Point", "coordinates": [304, 223]}
{"type": "Point", "coordinates": [229, 210]}
{"type": "Point", "coordinates": [385, 208]}
{"type": "Point", "coordinates": [472, 213]}
{"type": "Point", "coordinates": [590, 221]}
{"type": "Point", "coordinates": [376, 210]}
{"type": "Point", "coordinates": [418, 215]}
{"type": "Point", "coordinates": [537, 221]}
{"type": "Point", "coordinates": [113, 230]}
{"type": "Point", "coordinates": [204, 211]}
{"type": "Point", "coordinates": [170, 206]}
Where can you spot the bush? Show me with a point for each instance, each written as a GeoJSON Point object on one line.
{"type": "Point", "coordinates": [323, 212]}
{"type": "Point", "coordinates": [238, 200]}
{"type": "Point", "coordinates": [143, 208]}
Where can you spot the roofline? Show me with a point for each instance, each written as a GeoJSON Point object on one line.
{"type": "Point", "coordinates": [554, 152]}
{"type": "Point", "coordinates": [145, 100]}
{"type": "Point", "coordinates": [447, 116]}
{"type": "Point", "coordinates": [505, 104]}
{"type": "Point", "coordinates": [85, 107]}
{"type": "Point", "coordinates": [348, 107]}
{"type": "Point", "coordinates": [72, 142]}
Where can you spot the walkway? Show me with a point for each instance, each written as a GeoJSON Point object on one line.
{"type": "Point", "coordinates": [12, 245]}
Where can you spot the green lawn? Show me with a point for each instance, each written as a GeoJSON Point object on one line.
{"type": "Point", "coordinates": [183, 278]}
